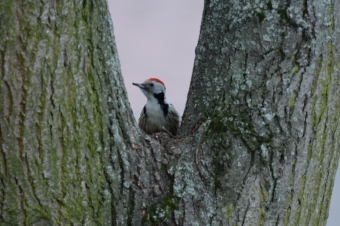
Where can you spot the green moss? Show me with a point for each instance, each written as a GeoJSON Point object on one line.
{"type": "Point", "coordinates": [330, 63]}
{"type": "Point", "coordinates": [73, 210]}
{"type": "Point", "coordinates": [229, 210]}
{"type": "Point", "coordinates": [292, 98]}
{"type": "Point", "coordinates": [316, 152]}
{"type": "Point", "coordinates": [317, 157]}
{"type": "Point", "coordinates": [323, 100]}
{"type": "Point", "coordinates": [330, 12]}
{"type": "Point", "coordinates": [295, 69]}
{"type": "Point", "coordinates": [289, 200]}
{"type": "Point", "coordinates": [337, 110]}
{"type": "Point", "coordinates": [301, 200]}
{"type": "Point", "coordinates": [7, 13]}
{"type": "Point", "coordinates": [317, 74]}
{"type": "Point", "coordinates": [288, 203]}
{"type": "Point", "coordinates": [278, 79]}
{"type": "Point", "coordinates": [37, 214]}
{"type": "Point", "coordinates": [262, 217]}
{"type": "Point", "coordinates": [331, 26]}
{"type": "Point", "coordinates": [233, 123]}
{"type": "Point", "coordinates": [161, 211]}
{"type": "Point", "coordinates": [263, 194]}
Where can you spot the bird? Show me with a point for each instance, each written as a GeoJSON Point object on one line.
{"type": "Point", "coordinates": [158, 114]}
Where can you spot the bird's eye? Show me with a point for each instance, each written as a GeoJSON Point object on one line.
{"type": "Point", "coordinates": [151, 84]}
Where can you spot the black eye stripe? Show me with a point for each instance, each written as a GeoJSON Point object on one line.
{"type": "Point", "coordinates": [151, 84]}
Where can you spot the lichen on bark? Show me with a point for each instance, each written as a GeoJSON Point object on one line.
{"type": "Point", "coordinates": [267, 67]}
{"type": "Point", "coordinates": [60, 86]}
{"type": "Point", "coordinates": [257, 144]}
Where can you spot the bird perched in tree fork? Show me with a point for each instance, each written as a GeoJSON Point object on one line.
{"type": "Point", "coordinates": [158, 114]}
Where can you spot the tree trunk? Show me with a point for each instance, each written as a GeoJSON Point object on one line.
{"type": "Point", "coordinates": [65, 122]}
{"type": "Point", "coordinates": [258, 141]}
{"type": "Point", "coordinates": [265, 87]}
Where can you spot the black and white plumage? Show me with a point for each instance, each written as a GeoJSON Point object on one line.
{"type": "Point", "coordinates": [157, 113]}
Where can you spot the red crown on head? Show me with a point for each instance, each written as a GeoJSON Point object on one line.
{"type": "Point", "coordinates": [157, 80]}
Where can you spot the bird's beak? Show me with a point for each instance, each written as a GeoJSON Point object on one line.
{"type": "Point", "coordinates": [140, 85]}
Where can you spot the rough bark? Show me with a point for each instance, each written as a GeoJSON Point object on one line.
{"type": "Point", "coordinates": [65, 120]}
{"type": "Point", "coordinates": [258, 141]}
{"type": "Point", "coordinates": [266, 87]}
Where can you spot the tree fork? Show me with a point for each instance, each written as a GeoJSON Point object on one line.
{"type": "Point", "coordinates": [258, 138]}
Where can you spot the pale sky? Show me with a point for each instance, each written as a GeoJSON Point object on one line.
{"type": "Point", "coordinates": [157, 38]}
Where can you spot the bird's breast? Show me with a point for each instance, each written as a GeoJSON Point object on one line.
{"type": "Point", "coordinates": [155, 113]}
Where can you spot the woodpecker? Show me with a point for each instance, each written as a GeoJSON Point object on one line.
{"type": "Point", "coordinates": [158, 114]}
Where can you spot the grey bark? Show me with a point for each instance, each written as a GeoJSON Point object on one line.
{"type": "Point", "coordinates": [268, 72]}
{"type": "Point", "coordinates": [61, 100]}
{"type": "Point", "coordinates": [258, 148]}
